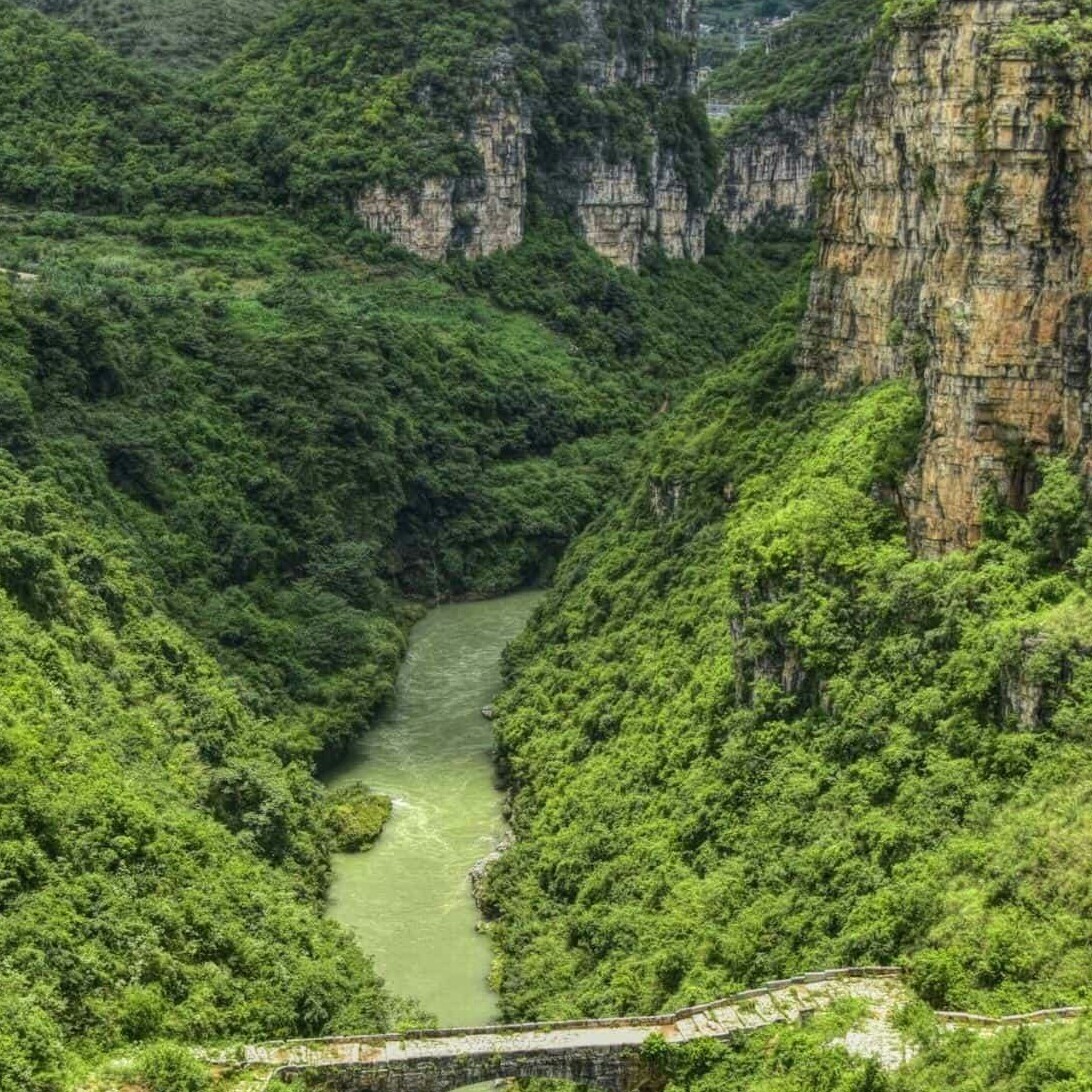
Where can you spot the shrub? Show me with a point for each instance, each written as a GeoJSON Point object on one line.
{"type": "Point", "coordinates": [169, 1067]}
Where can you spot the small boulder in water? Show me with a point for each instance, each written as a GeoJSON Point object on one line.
{"type": "Point", "coordinates": [355, 817]}
{"type": "Point", "coordinates": [489, 712]}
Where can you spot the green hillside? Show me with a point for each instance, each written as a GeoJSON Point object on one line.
{"type": "Point", "coordinates": [239, 451]}
{"type": "Point", "coordinates": [750, 733]}
{"type": "Point", "coordinates": [183, 36]}
{"type": "Point", "coordinates": [233, 448]}
{"type": "Point", "coordinates": [244, 442]}
{"type": "Point", "coordinates": [806, 65]}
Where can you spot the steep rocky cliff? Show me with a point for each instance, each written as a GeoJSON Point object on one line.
{"type": "Point", "coordinates": [779, 99]}
{"type": "Point", "coordinates": [618, 38]}
{"type": "Point", "coordinates": [953, 251]}
{"type": "Point", "coordinates": [770, 171]}
{"type": "Point", "coordinates": [622, 210]}
{"type": "Point", "coordinates": [477, 215]}
{"type": "Point", "coordinates": [588, 136]}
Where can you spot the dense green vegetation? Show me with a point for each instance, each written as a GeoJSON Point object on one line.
{"type": "Point", "coordinates": [808, 65]}
{"type": "Point", "coordinates": [357, 817]}
{"type": "Point", "coordinates": [239, 450]}
{"type": "Point", "coordinates": [750, 733]}
{"type": "Point", "coordinates": [729, 26]}
{"type": "Point", "coordinates": [398, 83]}
{"type": "Point", "coordinates": [330, 98]}
{"type": "Point", "coordinates": [241, 441]}
{"type": "Point", "coordinates": [129, 911]}
{"type": "Point", "coordinates": [179, 35]}
{"type": "Point", "coordinates": [269, 439]}
{"type": "Point", "coordinates": [79, 127]}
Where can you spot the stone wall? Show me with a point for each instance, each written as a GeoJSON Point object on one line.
{"type": "Point", "coordinates": [607, 1068]}
{"type": "Point", "coordinates": [953, 252]}
{"type": "Point", "coordinates": [602, 1053]}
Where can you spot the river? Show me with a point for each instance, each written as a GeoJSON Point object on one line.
{"type": "Point", "coordinates": [408, 899]}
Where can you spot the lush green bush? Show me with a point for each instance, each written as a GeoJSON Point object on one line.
{"type": "Point", "coordinates": [1057, 38]}
{"type": "Point", "coordinates": [168, 1067]}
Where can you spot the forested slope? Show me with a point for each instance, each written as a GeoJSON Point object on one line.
{"type": "Point", "coordinates": [184, 36]}
{"type": "Point", "coordinates": [243, 440]}
{"type": "Point", "coordinates": [239, 452]}
{"type": "Point", "coordinates": [269, 442]}
{"type": "Point", "coordinates": [805, 67]}
{"type": "Point", "coordinates": [749, 733]}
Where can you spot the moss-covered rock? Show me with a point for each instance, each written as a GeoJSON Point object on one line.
{"type": "Point", "coordinates": [356, 817]}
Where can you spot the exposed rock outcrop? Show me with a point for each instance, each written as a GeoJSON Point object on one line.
{"type": "Point", "coordinates": [621, 213]}
{"type": "Point", "coordinates": [610, 54]}
{"type": "Point", "coordinates": [953, 251]}
{"type": "Point", "coordinates": [623, 204]}
{"type": "Point", "coordinates": [770, 172]}
{"type": "Point", "coordinates": [476, 216]}
{"type": "Point", "coordinates": [479, 875]}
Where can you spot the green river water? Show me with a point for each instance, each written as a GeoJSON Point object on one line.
{"type": "Point", "coordinates": [408, 899]}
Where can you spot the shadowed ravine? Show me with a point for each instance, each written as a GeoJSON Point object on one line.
{"type": "Point", "coordinates": [408, 900]}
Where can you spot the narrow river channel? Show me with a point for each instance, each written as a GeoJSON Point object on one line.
{"type": "Point", "coordinates": [408, 899]}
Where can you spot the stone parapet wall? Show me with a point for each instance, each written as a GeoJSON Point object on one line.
{"type": "Point", "coordinates": [812, 978]}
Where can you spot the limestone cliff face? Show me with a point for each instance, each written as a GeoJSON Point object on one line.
{"type": "Point", "coordinates": [954, 251]}
{"type": "Point", "coordinates": [611, 57]}
{"type": "Point", "coordinates": [770, 172]}
{"type": "Point", "coordinates": [621, 213]}
{"type": "Point", "coordinates": [475, 216]}
{"type": "Point", "coordinates": [623, 206]}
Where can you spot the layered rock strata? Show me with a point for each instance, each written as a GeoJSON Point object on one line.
{"type": "Point", "coordinates": [476, 216]}
{"type": "Point", "coordinates": [771, 173]}
{"type": "Point", "coordinates": [621, 213]}
{"type": "Point", "coordinates": [954, 252]}
{"type": "Point", "coordinates": [622, 207]}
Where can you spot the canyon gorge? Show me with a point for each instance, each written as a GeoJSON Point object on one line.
{"type": "Point", "coordinates": [699, 391]}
